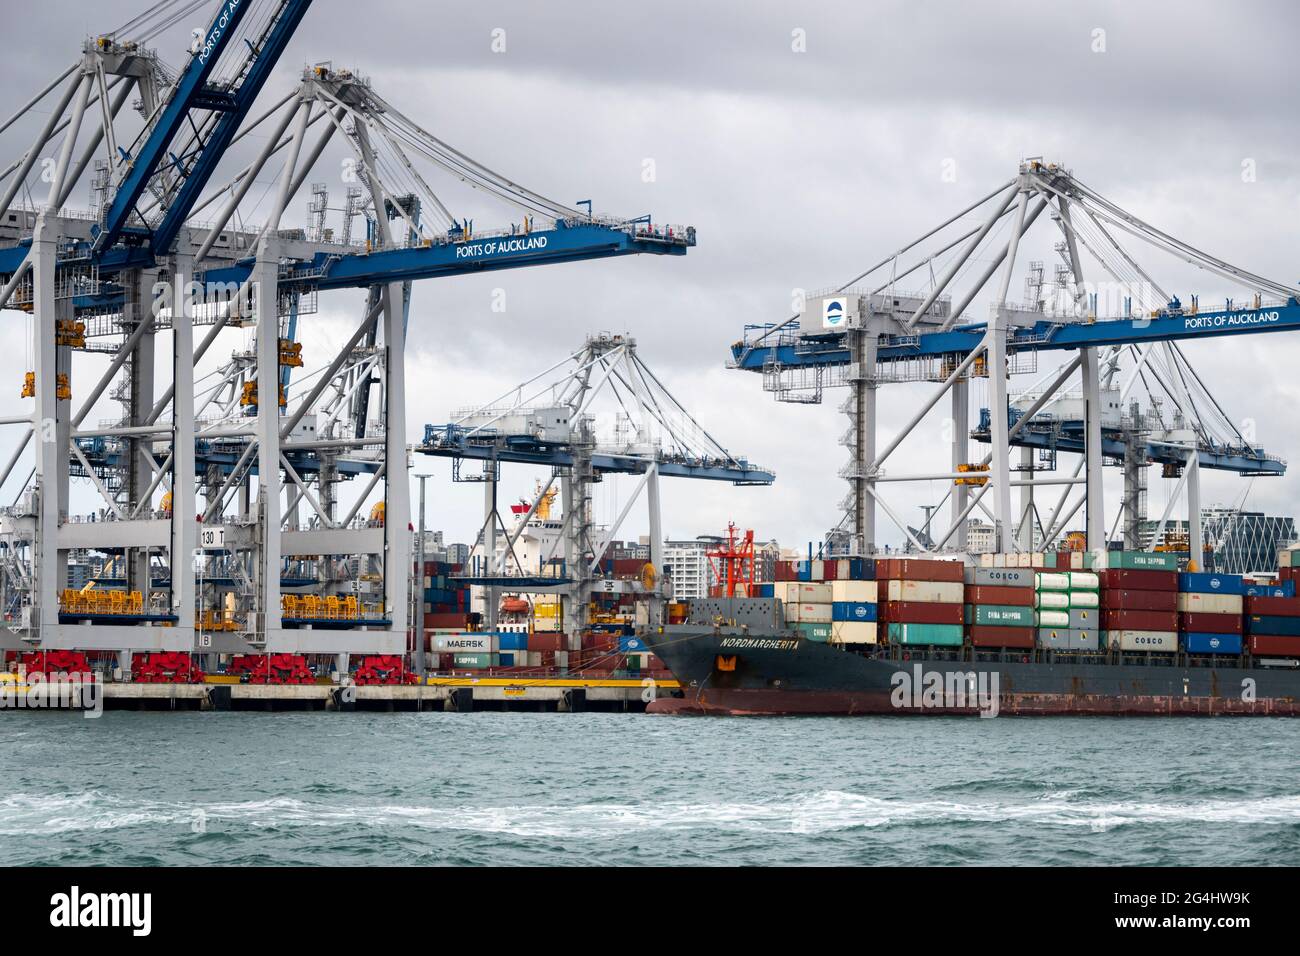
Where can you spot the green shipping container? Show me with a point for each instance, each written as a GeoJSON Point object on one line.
{"type": "Point", "coordinates": [821, 633]}
{"type": "Point", "coordinates": [950, 635]}
{"type": "Point", "coordinates": [473, 661]}
{"type": "Point", "coordinates": [1142, 560]}
{"type": "Point", "coordinates": [998, 615]}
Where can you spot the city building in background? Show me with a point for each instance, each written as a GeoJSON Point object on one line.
{"type": "Point", "coordinates": [1236, 541]}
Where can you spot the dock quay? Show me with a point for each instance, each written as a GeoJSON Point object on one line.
{"type": "Point", "coordinates": [436, 694]}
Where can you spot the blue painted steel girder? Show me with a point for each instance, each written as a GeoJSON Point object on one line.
{"type": "Point", "coordinates": [521, 451]}
{"type": "Point", "coordinates": [822, 350]}
{"type": "Point", "coordinates": [190, 94]}
{"type": "Point", "coordinates": [303, 463]}
{"type": "Point", "coordinates": [357, 270]}
{"type": "Point", "coordinates": [1069, 438]}
{"type": "Point", "coordinates": [326, 271]}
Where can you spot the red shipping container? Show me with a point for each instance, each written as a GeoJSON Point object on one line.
{"type": "Point", "coordinates": [1274, 606]}
{"type": "Point", "coordinates": [999, 594]}
{"type": "Point", "coordinates": [1271, 645]}
{"type": "Point", "coordinates": [922, 612]}
{"type": "Point", "coordinates": [1210, 623]}
{"type": "Point", "coordinates": [1139, 580]}
{"type": "Point", "coordinates": [446, 621]}
{"type": "Point", "coordinates": [627, 567]}
{"type": "Point", "coordinates": [546, 641]}
{"type": "Point", "coordinates": [1133, 620]}
{"type": "Point", "coordinates": [1113, 599]}
{"type": "Point", "coordinates": [830, 570]}
{"type": "Point", "coordinates": [1289, 574]}
{"type": "Point", "coordinates": [599, 642]}
{"type": "Point", "coordinates": [987, 635]}
{"type": "Point", "coordinates": [919, 569]}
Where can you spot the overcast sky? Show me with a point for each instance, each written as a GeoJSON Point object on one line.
{"type": "Point", "coordinates": [805, 142]}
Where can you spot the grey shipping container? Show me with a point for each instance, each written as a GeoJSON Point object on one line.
{"type": "Point", "coordinates": [1085, 619]}
{"type": "Point", "coordinates": [1069, 640]}
{"type": "Point", "coordinates": [1008, 577]}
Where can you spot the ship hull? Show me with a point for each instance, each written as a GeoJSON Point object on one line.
{"type": "Point", "coordinates": [787, 675]}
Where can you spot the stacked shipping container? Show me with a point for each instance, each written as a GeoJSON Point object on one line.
{"type": "Point", "coordinates": [1000, 607]}
{"type": "Point", "coordinates": [1209, 613]}
{"type": "Point", "coordinates": [830, 601]}
{"type": "Point", "coordinates": [922, 601]}
{"type": "Point", "coordinates": [1067, 610]}
{"type": "Point", "coordinates": [1139, 601]}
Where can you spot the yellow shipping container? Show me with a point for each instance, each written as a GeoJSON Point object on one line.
{"type": "Point", "coordinates": [867, 592]}
{"type": "Point", "coordinates": [854, 632]}
{"type": "Point", "coordinates": [807, 613]}
{"type": "Point", "coordinates": [1210, 603]}
{"type": "Point", "coordinates": [806, 592]}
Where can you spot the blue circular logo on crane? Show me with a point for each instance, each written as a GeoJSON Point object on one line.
{"type": "Point", "coordinates": [833, 313]}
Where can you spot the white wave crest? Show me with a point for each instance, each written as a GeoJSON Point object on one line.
{"type": "Point", "coordinates": [809, 813]}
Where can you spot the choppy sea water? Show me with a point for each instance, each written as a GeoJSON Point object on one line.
{"type": "Point", "coordinates": [574, 789]}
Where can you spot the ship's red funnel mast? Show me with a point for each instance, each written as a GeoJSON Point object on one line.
{"type": "Point", "coordinates": [732, 565]}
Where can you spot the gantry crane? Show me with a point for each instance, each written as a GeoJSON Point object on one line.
{"type": "Point", "coordinates": [876, 336]}
{"type": "Point", "coordinates": [166, 258]}
{"type": "Point", "coordinates": [550, 420]}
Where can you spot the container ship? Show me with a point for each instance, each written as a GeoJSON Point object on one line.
{"type": "Point", "coordinates": [1074, 633]}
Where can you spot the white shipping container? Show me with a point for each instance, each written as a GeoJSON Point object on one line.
{"type": "Point", "coordinates": [467, 643]}
{"type": "Point", "coordinates": [1024, 560]}
{"type": "Point", "coordinates": [1052, 600]}
{"type": "Point", "coordinates": [1089, 599]}
{"type": "Point", "coordinates": [931, 592]}
{"type": "Point", "coordinates": [1052, 581]}
{"type": "Point", "coordinates": [1037, 560]}
{"type": "Point", "coordinates": [561, 658]}
{"type": "Point", "coordinates": [986, 559]}
{"type": "Point", "coordinates": [1084, 581]}
{"type": "Point", "coordinates": [807, 592]}
{"type": "Point", "coordinates": [854, 632]}
{"type": "Point", "coordinates": [1053, 619]}
{"type": "Point", "coordinates": [1076, 560]}
{"type": "Point", "coordinates": [1210, 603]}
{"type": "Point", "coordinates": [808, 613]}
{"type": "Point", "coordinates": [862, 592]}
{"type": "Point", "coordinates": [1144, 640]}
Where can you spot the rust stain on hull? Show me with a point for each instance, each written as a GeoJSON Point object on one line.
{"type": "Point", "coordinates": [813, 703]}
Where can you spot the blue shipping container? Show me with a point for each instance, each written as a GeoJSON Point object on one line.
{"type": "Point", "coordinates": [765, 590]}
{"type": "Point", "coordinates": [862, 569]}
{"type": "Point", "coordinates": [1195, 642]}
{"type": "Point", "coordinates": [853, 611]}
{"type": "Point", "coordinates": [512, 642]}
{"type": "Point", "coordinates": [1274, 624]}
{"type": "Point", "coordinates": [1210, 583]}
{"type": "Point", "coordinates": [506, 660]}
{"type": "Point", "coordinates": [1281, 589]}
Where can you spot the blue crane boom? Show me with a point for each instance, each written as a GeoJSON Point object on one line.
{"type": "Point", "coordinates": [192, 94]}
{"type": "Point", "coordinates": [359, 269]}
{"type": "Point", "coordinates": [564, 243]}
{"type": "Point", "coordinates": [811, 350]}
{"type": "Point", "coordinates": [1068, 436]}
{"type": "Point", "coordinates": [451, 441]}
